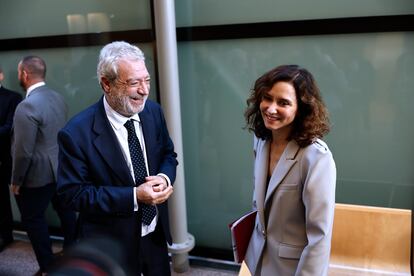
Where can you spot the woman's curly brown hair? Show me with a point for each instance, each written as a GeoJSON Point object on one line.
{"type": "Point", "coordinates": [311, 120]}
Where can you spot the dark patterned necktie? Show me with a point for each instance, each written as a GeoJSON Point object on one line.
{"type": "Point", "coordinates": [140, 171]}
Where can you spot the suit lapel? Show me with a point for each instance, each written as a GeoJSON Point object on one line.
{"type": "Point", "coordinates": [287, 160]}
{"type": "Point", "coordinates": [262, 156]}
{"type": "Point", "coordinates": [108, 147]}
{"type": "Point", "coordinates": [148, 127]}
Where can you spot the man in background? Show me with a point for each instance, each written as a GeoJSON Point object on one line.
{"type": "Point", "coordinates": [8, 102]}
{"type": "Point", "coordinates": [37, 120]}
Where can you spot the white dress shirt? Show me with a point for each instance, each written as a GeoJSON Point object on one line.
{"type": "Point", "coordinates": [33, 87]}
{"type": "Point", "coordinates": [117, 122]}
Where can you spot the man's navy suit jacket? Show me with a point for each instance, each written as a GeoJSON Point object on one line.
{"type": "Point", "coordinates": [94, 179]}
{"type": "Point", "coordinates": [8, 102]}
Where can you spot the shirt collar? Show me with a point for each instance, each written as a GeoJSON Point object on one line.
{"type": "Point", "coordinates": [117, 120]}
{"type": "Point", "coordinates": [33, 87]}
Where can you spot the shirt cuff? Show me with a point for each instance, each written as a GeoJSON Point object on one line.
{"type": "Point", "coordinates": [166, 178]}
{"type": "Point", "coordinates": [135, 200]}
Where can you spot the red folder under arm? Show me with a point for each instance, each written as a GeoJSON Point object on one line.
{"type": "Point", "coordinates": [241, 231]}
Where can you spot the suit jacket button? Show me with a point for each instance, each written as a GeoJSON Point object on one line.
{"type": "Point", "coordinates": [264, 233]}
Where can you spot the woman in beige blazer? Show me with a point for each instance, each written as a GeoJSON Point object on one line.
{"type": "Point", "coordinates": [294, 175]}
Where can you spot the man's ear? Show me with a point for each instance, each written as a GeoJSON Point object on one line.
{"type": "Point", "coordinates": [106, 84]}
{"type": "Point", "coordinates": [24, 75]}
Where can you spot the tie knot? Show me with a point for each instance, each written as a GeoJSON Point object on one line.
{"type": "Point", "coordinates": [129, 125]}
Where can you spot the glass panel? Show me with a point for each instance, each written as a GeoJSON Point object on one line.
{"type": "Point", "coordinates": [366, 81]}
{"type": "Point", "coordinates": [215, 12]}
{"type": "Point", "coordinates": [20, 18]}
{"type": "Point", "coordinates": [71, 72]}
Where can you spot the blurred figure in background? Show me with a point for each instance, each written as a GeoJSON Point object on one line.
{"type": "Point", "coordinates": [294, 175]}
{"type": "Point", "coordinates": [8, 102]}
{"type": "Point", "coordinates": [99, 256]}
{"type": "Point", "coordinates": [37, 120]}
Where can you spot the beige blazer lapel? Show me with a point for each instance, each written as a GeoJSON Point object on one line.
{"type": "Point", "coordinates": [262, 160]}
{"type": "Point", "coordinates": [287, 160]}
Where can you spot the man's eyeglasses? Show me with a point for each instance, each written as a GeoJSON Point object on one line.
{"type": "Point", "coordinates": [143, 83]}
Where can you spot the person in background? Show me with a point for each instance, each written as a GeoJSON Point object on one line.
{"type": "Point", "coordinates": [294, 175]}
{"type": "Point", "coordinates": [8, 102]}
{"type": "Point", "coordinates": [37, 120]}
{"type": "Point", "coordinates": [98, 256]}
{"type": "Point", "coordinates": [117, 163]}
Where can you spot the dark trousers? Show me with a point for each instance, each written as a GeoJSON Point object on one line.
{"type": "Point", "coordinates": [67, 221]}
{"type": "Point", "coordinates": [6, 217]}
{"type": "Point", "coordinates": [154, 259]}
{"type": "Point", "coordinates": [33, 203]}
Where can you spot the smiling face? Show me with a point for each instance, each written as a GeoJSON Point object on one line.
{"type": "Point", "coordinates": [279, 108]}
{"type": "Point", "coordinates": [128, 93]}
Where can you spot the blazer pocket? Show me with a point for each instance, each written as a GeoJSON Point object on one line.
{"type": "Point", "coordinates": [288, 186]}
{"type": "Point", "coordinates": [290, 251]}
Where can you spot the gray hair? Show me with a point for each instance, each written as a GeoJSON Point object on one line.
{"type": "Point", "coordinates": [111, 54]}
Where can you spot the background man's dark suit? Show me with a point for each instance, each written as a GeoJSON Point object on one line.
{"type": "Point", "coordinates": [8, 102]}
{"type": "Point", "coordinates": [93, 176]}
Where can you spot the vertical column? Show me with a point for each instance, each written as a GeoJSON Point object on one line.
{"type": "Point", "coordinates": [164, 14]}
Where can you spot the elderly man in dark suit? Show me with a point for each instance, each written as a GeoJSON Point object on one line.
{"type": "Point", "coordinates": [8, 102]}
{"type": "Point", "coordinates": [37, 120]}
{"type": "Point", "coordinates": [117, 163]}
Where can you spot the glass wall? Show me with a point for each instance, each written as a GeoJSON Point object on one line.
{"type": "Point", "coordinates": [365, 80]}
{"type": "Point", "coordinates": [216, 12]}
{"type": "Point", "coordinates": [21, 18]}
{"type": "Point", "coordinates": [71, 72]}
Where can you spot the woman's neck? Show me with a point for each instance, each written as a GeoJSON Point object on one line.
{"type": "Point", "coordinates": [280, 137]}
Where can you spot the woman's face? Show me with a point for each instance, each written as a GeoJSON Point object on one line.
{"type": "Point", "coordinates": [279, 107]}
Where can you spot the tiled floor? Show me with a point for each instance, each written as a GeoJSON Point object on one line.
{"type": "Point", "coordinates": [203, 271]}
{"type": "Point", "coordinates": [18, 260]}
